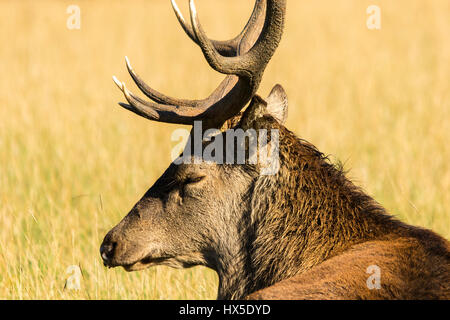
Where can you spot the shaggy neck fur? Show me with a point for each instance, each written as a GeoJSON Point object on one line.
{"type": "Point", "coordinates": [306, 214]}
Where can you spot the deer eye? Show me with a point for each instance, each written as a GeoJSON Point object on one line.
{"type": "Point", "coordinates": [193, 180]}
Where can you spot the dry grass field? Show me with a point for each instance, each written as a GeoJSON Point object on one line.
{"type": "Point", "coordinates": [72, 162]}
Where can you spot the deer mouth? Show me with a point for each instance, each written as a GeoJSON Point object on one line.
{"type": "Point", "coordinates": [177, 262]}
{"type": "Point", "coordinates": [146, 263]}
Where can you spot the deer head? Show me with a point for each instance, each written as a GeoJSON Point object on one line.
{"type": "Point", "coordinates": [198, 213]}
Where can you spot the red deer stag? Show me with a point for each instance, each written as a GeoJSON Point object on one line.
{"type": "Point", "coordinates": [305, 232]}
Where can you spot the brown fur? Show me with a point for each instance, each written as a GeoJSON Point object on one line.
{"type": "Point", "coordinates": [318, 225]}
{"type": "Point", "coordinates": [412, 267]}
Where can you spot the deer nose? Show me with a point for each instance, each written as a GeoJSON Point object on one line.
{"type": "Point", "coordinates": [107, 251]}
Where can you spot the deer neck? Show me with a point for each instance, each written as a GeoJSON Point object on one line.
{"type": "Point", "coordinates": [232, 260]}
{"type": "Point", "coordinates": [235, 279]}
{"type": "Point", "coordinates": [301, 217]}
{"type": "Point", "coordinates": [310, 212]}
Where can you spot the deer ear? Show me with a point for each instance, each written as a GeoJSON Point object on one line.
{"type": "Point", "coordinates": [277, 104]}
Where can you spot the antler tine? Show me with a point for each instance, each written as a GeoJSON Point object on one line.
{"type": "Point", "coordinates": [231, 47]}
{"type": "Point", "coordinates": [155, 95]}
{"type": "Point", "coordinates": [182, 22]}
{"type": "Point", "coordinates": [157, 112]}
{"type": "Point", "coordinates": [254, 61]}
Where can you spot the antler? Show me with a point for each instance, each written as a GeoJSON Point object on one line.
{"type": "Point", "coordinates": [243, 59]}
{"type": "Point", "coordinates": [231, 47]}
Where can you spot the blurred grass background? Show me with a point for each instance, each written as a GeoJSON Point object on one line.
{"type": "Point", "coordinates": [72, 163]}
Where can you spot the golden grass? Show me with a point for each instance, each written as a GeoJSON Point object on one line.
{"type": "Point", "coordinates": [72, 163]}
